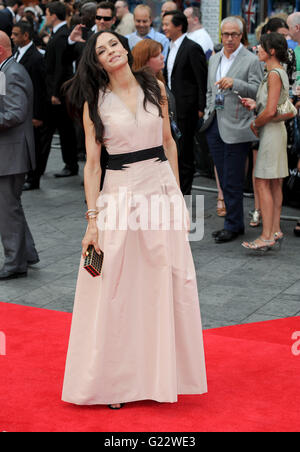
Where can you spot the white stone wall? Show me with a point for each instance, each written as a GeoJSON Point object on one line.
{"type": "Point", "coordinates": [211, 12]}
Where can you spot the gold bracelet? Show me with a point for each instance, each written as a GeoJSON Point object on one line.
{"type": "Point", "coordinates": [91, 214]}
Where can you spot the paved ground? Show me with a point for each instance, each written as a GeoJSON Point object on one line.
{"type": "Point", "coordinates": [235, 287]}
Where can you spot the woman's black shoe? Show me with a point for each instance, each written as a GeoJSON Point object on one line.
{"type": "Point", "coordinates": [297, 230]}
{"type": "Point", "coordinates": [116, 408]}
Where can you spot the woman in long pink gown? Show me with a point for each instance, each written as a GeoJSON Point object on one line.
{"type": "Point", "coordinates": [136, 330]}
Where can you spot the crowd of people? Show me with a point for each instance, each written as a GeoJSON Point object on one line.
{"type": "Point", "coordinates": [216, 91]}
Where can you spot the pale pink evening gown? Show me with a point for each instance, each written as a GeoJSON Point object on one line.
{"type": "Point", "coordinates": [136, 331]}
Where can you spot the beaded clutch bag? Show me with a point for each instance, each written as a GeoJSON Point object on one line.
{"type": "Point", "coordinates": [93, 261]}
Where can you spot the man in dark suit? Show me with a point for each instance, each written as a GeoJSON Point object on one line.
{"type": "Point", "coordinates": [28, 55]}
{"type": "Point", "coordinates": [186, 75]}
{"type": "Point", "coordinates": [59, 69]}
{"type": "Point", "coordinates": [7, 15]}
{"type": "Point", "coordinates": [17, 157]}
{"type": "Point", "coordinates": [82, 32]}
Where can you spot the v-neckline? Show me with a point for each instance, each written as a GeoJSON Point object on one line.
{"type": "Point", "coordinates": [134, 115]}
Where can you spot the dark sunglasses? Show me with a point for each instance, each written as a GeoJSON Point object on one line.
{"type": "Point", "coordinates": [106, 19]}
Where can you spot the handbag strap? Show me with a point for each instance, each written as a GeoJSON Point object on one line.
{"type": "Point", "coordinates": [285, 90]}
{"type": "Point", "coordinates": [278, 72]}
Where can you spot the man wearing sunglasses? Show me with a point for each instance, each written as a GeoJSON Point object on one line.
{"type": "Point", "coordinates": [105, 16]}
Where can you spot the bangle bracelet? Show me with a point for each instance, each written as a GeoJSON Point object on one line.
{"type": "Point", "coordinates": [92, 211]}
{"type": "Point", "coordinates": [91, 214]}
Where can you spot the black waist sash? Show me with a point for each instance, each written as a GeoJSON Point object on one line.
{"type": "Point", "coordinates": [118, 161]}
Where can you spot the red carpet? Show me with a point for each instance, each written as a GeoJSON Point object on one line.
{"type": "Point", "coordinates": [253, 379]}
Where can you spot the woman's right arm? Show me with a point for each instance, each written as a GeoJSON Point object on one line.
{"type": "Point", "coordinates": [92, 178]}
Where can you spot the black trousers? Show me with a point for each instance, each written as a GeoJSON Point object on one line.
{"type": "Point", "coordinates": [230, 161]}
{"type": "Point", "coordinates": [15, 235]}
{"type": "Point", "coordinates": [33, 177]}
{"type": "Point", "coordinates": [57, 118]}
{"type": "Point", "coordinates": [186, 158]}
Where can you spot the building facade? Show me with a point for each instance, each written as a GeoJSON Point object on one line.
{"type": "Point", "coordinates": [253, 11]}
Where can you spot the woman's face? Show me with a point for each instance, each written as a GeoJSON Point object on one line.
{"type": "Point", "coordinates": [262, 54]}
{"type": "Point", "coordinates": [110, 52]}
{"type": "Point", "coordinates": [156, 63]}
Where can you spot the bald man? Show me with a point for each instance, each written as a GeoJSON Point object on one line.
{"type": "Point", "coordinates": [293, 22]}
{"type": "Point", "coordinates": [143, 20]}
{"type": "Point", "coordinates": [17, 157]}
{"type": "Point", "coordinates": [168, 6]}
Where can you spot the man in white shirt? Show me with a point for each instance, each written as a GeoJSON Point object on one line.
{"type": "Point", "coordinates": [233, 72]}
{"type": "Point", "coordinates": [186, 74]}
{"type": "Point", "coordinates": [58, 70]}
{"type": "Point", "coordinates": [196, 32]}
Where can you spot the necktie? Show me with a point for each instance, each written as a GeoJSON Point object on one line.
{"type": "Point", "coordinates": [16, 55]}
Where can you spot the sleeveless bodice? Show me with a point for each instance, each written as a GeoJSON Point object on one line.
{"type": "Point", "coordinates": [262, 94]}
{"type": "Point", "coordinates": [125, 132]}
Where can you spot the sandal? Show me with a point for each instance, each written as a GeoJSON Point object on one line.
{"type": "Point", "coordinates": [297, 230]}
{"type": "Point", "coordinates": [254, 246]}
{"type": "Point", "coordinates": [278, 237]}
{"type": "Point", "coordinates": [255, 218]}
{"type": "Point", "coordinates": [221, 211]}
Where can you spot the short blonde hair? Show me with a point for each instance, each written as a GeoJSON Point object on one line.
{"type": "Point", "coordinates": [141, 7]}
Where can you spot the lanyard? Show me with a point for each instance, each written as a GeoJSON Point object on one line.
{"type": "Point", "coordinates": [219, 70]}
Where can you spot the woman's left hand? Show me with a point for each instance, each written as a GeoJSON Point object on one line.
{"type": "Point", "coordinates": [298, 166]}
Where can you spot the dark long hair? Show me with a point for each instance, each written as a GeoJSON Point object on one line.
{"type": "Point", "coordinates": [91, 78]}
{"type": "Point", "coordinates": [278, 43]}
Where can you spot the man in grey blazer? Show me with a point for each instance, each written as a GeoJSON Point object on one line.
{"type": "Point", "coordinates": [233, 73]}
{"type": "Point", "coordinates": [17, 157]}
